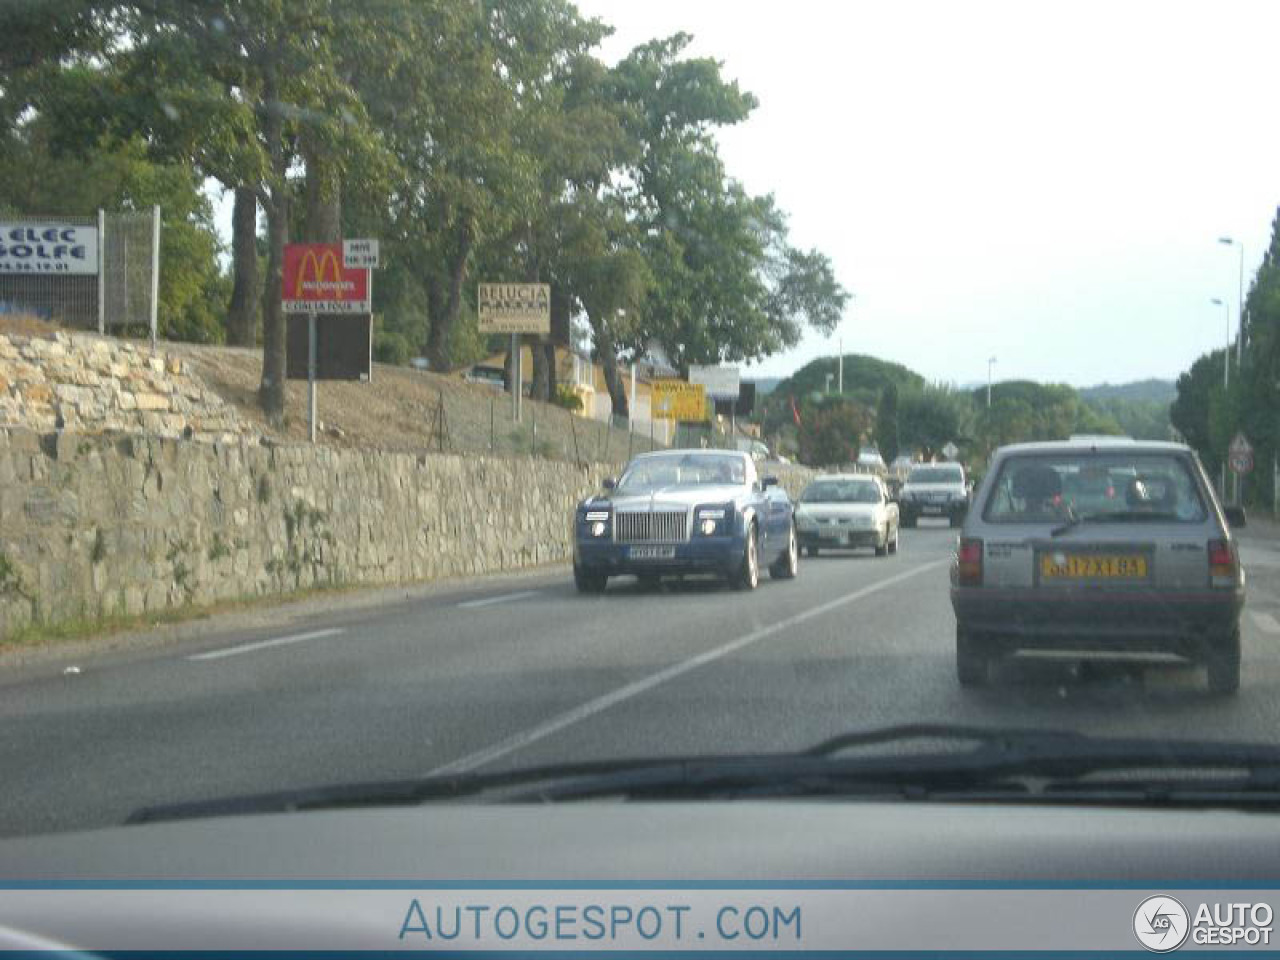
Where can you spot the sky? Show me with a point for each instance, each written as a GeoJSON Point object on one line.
{"type": "Point", "coordinates": [1042, 183]}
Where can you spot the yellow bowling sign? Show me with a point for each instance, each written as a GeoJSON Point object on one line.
{"type": "Point", "coordinates": [677, 400]}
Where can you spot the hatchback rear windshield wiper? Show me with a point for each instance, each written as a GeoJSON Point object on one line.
{"type": "Point", "coordinates": [1114, 516]}
{"type": "Point", "coordinates": [997, 765]}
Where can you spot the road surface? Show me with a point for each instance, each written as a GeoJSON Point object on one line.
{"type": "Point", "coordinates": [499, 675]}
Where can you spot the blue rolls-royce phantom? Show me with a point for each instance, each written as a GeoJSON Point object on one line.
{"type": "Point", "coordinates": [679, 512]}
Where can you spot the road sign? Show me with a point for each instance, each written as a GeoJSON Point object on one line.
{"type": "Point", "coordinates": [343, 347]}
{"type": "Point", "coordinates": [1240, 444]}
{"type": "Point", "coordinates": [514, 308]}
{"type": "Point", "coordinates": [677, 400]}
{"type": "Point", "coordinates": [1241, 462]}
{"type": "Point", "coordinates": [950, 450]}
{"type": "Point", "coordinates": [721, 382]}
{"type": "Point", "coordinates": [314, 280]}
{"type": "Point", "coordinates": [360, 254]}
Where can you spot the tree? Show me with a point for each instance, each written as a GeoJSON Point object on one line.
{"type": "Point", "coordinates": [931, 417]}
{"type": "Point", "coordinates": [887, 423]}
{"type": "Point", "coordinates": [727, 286]}
{"type": "Point", "coordinates": [831, 434]}
{"type": "Point", "coordinates": [237, 85]}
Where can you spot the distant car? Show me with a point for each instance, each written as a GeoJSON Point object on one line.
{"type": "Point", "coordinates": [869, 458]}
{"type": "Point", "coordinates": [486, 375]}
{"type": "Point", "coordinates": [847, 511]}
{"type": "Point", "coordinates": [934, 490]}
{"type": "Point", "coordinates": [1077, 547]}
{"type": "Point", "coordinates": [676, 512]}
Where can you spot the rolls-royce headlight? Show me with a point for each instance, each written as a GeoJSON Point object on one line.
{"type": "Point", "coordinates": [598, 528]}
{"type": "Point", "coordinates": [707, 526]}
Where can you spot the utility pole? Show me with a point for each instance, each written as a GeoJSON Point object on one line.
{"type": "Point", "coordinates": [990, 362]}
{"type": "Point", "coordinates": [840, 367]}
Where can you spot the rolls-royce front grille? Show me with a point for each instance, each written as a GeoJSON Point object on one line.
{"type": "Point", "coordinates": [662, 526]}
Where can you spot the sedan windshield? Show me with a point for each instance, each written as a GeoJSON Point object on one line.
{"type": "Point", "coordinates": [684, 470]}
{"type": "Point", "coordinates": [841, 491]}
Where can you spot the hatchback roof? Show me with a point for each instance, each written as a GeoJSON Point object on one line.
{"type": "Point", "coordinates": [1075, 445]}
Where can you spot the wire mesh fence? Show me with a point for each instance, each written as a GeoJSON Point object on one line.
{"type": "Point", "coordinates": [97, 272]}
{"type": "Point", "coordinates": [130, 258]}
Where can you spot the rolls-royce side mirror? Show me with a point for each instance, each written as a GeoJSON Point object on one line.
{"type": "Point", "coordinates": [609, 483]}
{"type": "Point", "coordinates": [769, 482]}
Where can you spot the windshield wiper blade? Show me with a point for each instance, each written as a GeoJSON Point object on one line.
{"type": "Point", "coordinates": [991, 768]}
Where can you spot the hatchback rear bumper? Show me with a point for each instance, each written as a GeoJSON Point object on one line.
{"type": "Point", "coordinates": [1091, 620]}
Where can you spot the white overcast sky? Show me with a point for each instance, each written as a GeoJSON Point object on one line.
{"type": "Point", "coordinates": [1044, 183]}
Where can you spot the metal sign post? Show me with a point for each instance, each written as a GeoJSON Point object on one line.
{"type": "Point", "coordinates": [311, 375]}
{"type": "Point", "coordinates": [516, 377]}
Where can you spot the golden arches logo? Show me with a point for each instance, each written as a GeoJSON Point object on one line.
{"type": "Point", "coordinates": [318, 265]}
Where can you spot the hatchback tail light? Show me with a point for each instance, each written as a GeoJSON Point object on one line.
{"type": "Point", "coordinates": [1224, 563]}
{"type": "Point", "coordinates": [969, 563]}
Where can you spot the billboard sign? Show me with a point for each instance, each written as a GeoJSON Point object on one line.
{"type": "Point", "coordinates": [514, 308]}
{"type": "Point", "coordinates": [48, 246]}
{"type": "Point", "coordinates": [344, 347]}
{"type": "Point", "coordinates": [677, 400]}
{"type": "Point", "coordinates": [721, 382]}
{"type": "Point", "coordinates": [315, 281]}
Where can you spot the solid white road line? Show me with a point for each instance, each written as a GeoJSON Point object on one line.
{"type": "Point", "coordinates": [1265, 621]}
{"type": "Point", "coordinates": [265, 644]}
{"type": "Point", "coordinates": [589, 709]}
{"type": "Point", "coordinates": [503, 598]}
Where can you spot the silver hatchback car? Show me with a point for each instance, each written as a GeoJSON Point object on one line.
{"type": "Point", "coordinates": [1098, 546]}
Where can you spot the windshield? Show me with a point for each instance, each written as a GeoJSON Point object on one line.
{"type": "Point", "coordinates": [424, 388]}
{"type": "Point", "coordinates": [841, 491]}
{"type": "Point", "coordinates": [935, 475]}
{"type": "Point", "coordinates": [1048, 488]}
{"type": "Point", "coordinates": [682, 470]}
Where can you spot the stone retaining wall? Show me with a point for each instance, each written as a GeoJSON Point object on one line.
{"type": "Point", "coordinates": [93, 526]}
{"type": "Point", "coordinates": [93, 384]}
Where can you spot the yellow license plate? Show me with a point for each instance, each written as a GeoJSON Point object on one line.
{"type": "Point", "coordinates": [1076, 566]}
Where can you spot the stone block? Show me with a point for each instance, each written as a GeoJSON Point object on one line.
{"type": "Point", "coordinates": [36, 393]}
{"type": "Point", "coordinates": [151, 401]}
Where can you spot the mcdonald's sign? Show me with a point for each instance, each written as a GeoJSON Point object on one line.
{"type": "Point", "coordinates": [315, 281]}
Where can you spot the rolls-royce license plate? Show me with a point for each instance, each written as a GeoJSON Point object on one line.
{"type": "Point", "coordinates": [652, 553]}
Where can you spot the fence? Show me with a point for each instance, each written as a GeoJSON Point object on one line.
{"type": "Point", "coordinates": [112, 282]}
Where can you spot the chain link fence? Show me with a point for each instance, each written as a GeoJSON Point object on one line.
{"type": "Point", "coordinates": [91, 273]}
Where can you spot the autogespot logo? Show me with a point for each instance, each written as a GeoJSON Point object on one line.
{"type": "Point", "coordinates": [1161, 924]}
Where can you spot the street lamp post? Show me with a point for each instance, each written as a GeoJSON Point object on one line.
{"type": "Point", "coordinates": [1226, 356]}
{"type": "Point", "coordinates": [1231, 242]}
{"type": "Point", "coordinates": [990, 362]}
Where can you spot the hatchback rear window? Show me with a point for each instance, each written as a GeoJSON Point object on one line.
{"type": "Point", "coordinates": [935, 475]}
{"type": "Point", "coordinates": [1103, 486]}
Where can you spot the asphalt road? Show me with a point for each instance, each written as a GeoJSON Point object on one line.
{"type": "Point", "coordinates": [506, 674]}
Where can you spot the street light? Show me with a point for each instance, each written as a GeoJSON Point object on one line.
{"type": "Point", "coordinates": [1226, 357]}
{"type": "Point", "coordinates": [990, 362]}
{"type": "Point", "coordinates": [1230, 242]}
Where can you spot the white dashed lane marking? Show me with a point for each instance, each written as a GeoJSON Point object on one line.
{"type": "Point", "coordinates": [503, 598]}
{"type": "Point", "coordinates": [265, 644]}
{"type": "Point", "coordinates": [1265, 622]}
